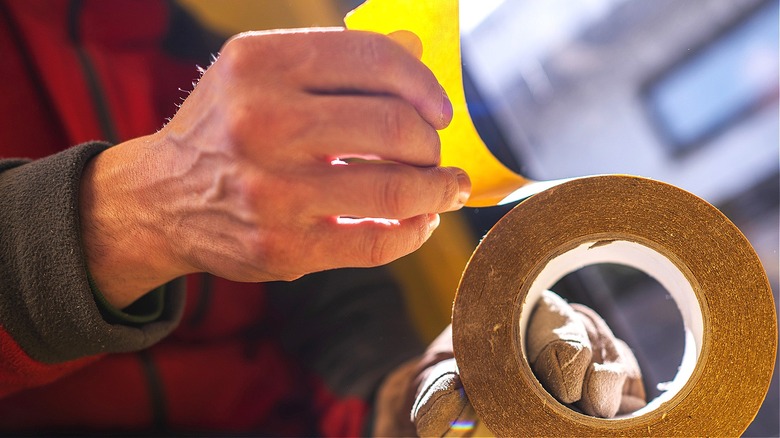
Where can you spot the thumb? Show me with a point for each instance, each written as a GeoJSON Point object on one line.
{"type": "Point", "coordinates": [442, 407]}
{"type": "Point", "coordinates": [409, 41]}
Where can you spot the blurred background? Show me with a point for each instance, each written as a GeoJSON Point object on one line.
{"type": "Point", "coordinates": [681, 91]}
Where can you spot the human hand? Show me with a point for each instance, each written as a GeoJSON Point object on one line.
{"type": "Point", "coordinates": [252, 179]}
{"type": "Point", "coordinates": [600, 375]}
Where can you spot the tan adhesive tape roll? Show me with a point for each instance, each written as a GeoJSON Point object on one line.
{"type": "Point", "coordinates": [686, 244]}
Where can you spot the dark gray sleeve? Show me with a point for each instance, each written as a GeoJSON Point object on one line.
{"type": "Point", "coordinates": [46, 303]}
{"type": "Point", "coordinates": [348, 326]}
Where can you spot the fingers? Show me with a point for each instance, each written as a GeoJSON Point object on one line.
{"type": "Point", "coordinates": [369, 242]}
{"type": "Point", "coordinates": [440, 401]}
{"type": "Point", "coordinates": [258, 135]}
{"type": "Point", "coordinates": [602, 386]}
{"type": "Point", "coordinates": [601, 389]}
{"type": "Point", "coordinates": [558, 347]}
{"type": "Point", "coordinates": [613, 371]}
{"type": "Point", "coordinates": [389, 190]}
{"type": "Point", "coordinates": [579, 360]}
{"type": "Point", "coordinates": [441, 407]}
{"type": "Point", "coordinates": [383, 127]}
{"type": "Point", "coordinates": [362, 214]}
{"type": "Point", "coordinates": [352, 62]}
{"type": "Point", "coordinates": [341, 243]}
{"type": "Point", "coordinates": [383, 67]}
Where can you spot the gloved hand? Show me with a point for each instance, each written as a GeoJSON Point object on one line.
{"type": "Point", "coordinates": [599, 376]}
{"type": "Point", "coordinates": [441, 406]}
{"type": "Point", "coordinates": [578, 359]}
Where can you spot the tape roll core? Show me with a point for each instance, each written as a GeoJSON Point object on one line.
{"type": "Point", "coordinates": [637, 256]}
{"type": "Point", "coordinates": [726, 304]}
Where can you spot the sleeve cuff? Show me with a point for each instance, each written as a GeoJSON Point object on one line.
{"type": "Point", "coordinates": [46, 303]}
{"type": "Point", "coordinates": [145, 310]}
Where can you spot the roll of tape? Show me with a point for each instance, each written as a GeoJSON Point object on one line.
{"type": "Point", "coordinates": [686, 244]}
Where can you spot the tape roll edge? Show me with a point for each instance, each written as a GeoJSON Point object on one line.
{"type": "Point", "coordinates": [488, 267]}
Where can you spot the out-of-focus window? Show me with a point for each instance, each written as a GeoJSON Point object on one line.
{"type": "Point", "coordinates": [718, 84]}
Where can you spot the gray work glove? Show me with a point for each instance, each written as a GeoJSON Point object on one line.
{"type": "Point", "coordinates": [599, 376]}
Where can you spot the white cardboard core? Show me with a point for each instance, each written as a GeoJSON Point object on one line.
{"type": "Point", "coordinates": [649, 261]}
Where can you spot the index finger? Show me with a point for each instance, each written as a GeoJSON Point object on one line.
{"type": "Point", "coordinates": [361, 62]}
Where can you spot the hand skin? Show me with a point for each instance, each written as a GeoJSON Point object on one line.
{"type": "Point", "coordinates": [248, 181]}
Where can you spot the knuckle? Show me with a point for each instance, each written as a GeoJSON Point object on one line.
{"type": "Point", "coordinates": [273, 254]}
{"type": "Point", "coordinates": [403, 128]}
{"type": "Point", "coordinates": [394, 126]}
{"type": "Point", "coordinates": [260, 188]}
{"type": "Point", "coordinates": [282, 122]}
{"type": "Point", "coordinates": [381, 249]}
{"type": "Point", "coordinates": [252, 55]}
{"type": "Point", "coordinates": [285, 120]}
{"type": "Point", "coordinates": [388, 245]}
{"type": "Point", "coordinates": [373, 49]}
{"type": "Point", "coordinates": [233, 55]}
{"type": "Point", "coordinates": [419, 236]}
{"type": "Point", "coordinates": [450, 189]}
{"type": "Point", "coordinates": [391, 197]}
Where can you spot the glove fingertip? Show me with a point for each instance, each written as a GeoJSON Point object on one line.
{"type": "Point", "coordinates": [443, 401]}
{"type": "Point", "coordinates": [561, 368]}
{"type": "Point", "coordinates": [602, 390]}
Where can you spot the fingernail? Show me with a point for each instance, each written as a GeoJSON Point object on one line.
{"type": "Point", "coordinates": [446, 109]}
{"type": "Point", "coordinates": [464, 185]}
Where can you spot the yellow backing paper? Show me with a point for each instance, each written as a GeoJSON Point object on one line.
{"type": "Point", "coordinates": [435, 22]}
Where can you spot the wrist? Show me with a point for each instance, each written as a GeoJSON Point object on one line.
{"type": "Point", "coordinates": [124, 242]}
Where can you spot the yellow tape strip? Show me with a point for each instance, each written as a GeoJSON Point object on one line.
{"type": "Point", "coordinates": [435, 22]}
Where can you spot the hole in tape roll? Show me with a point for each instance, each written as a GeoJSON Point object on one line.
{"type": "Point", "coordinates": [674, 294]}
